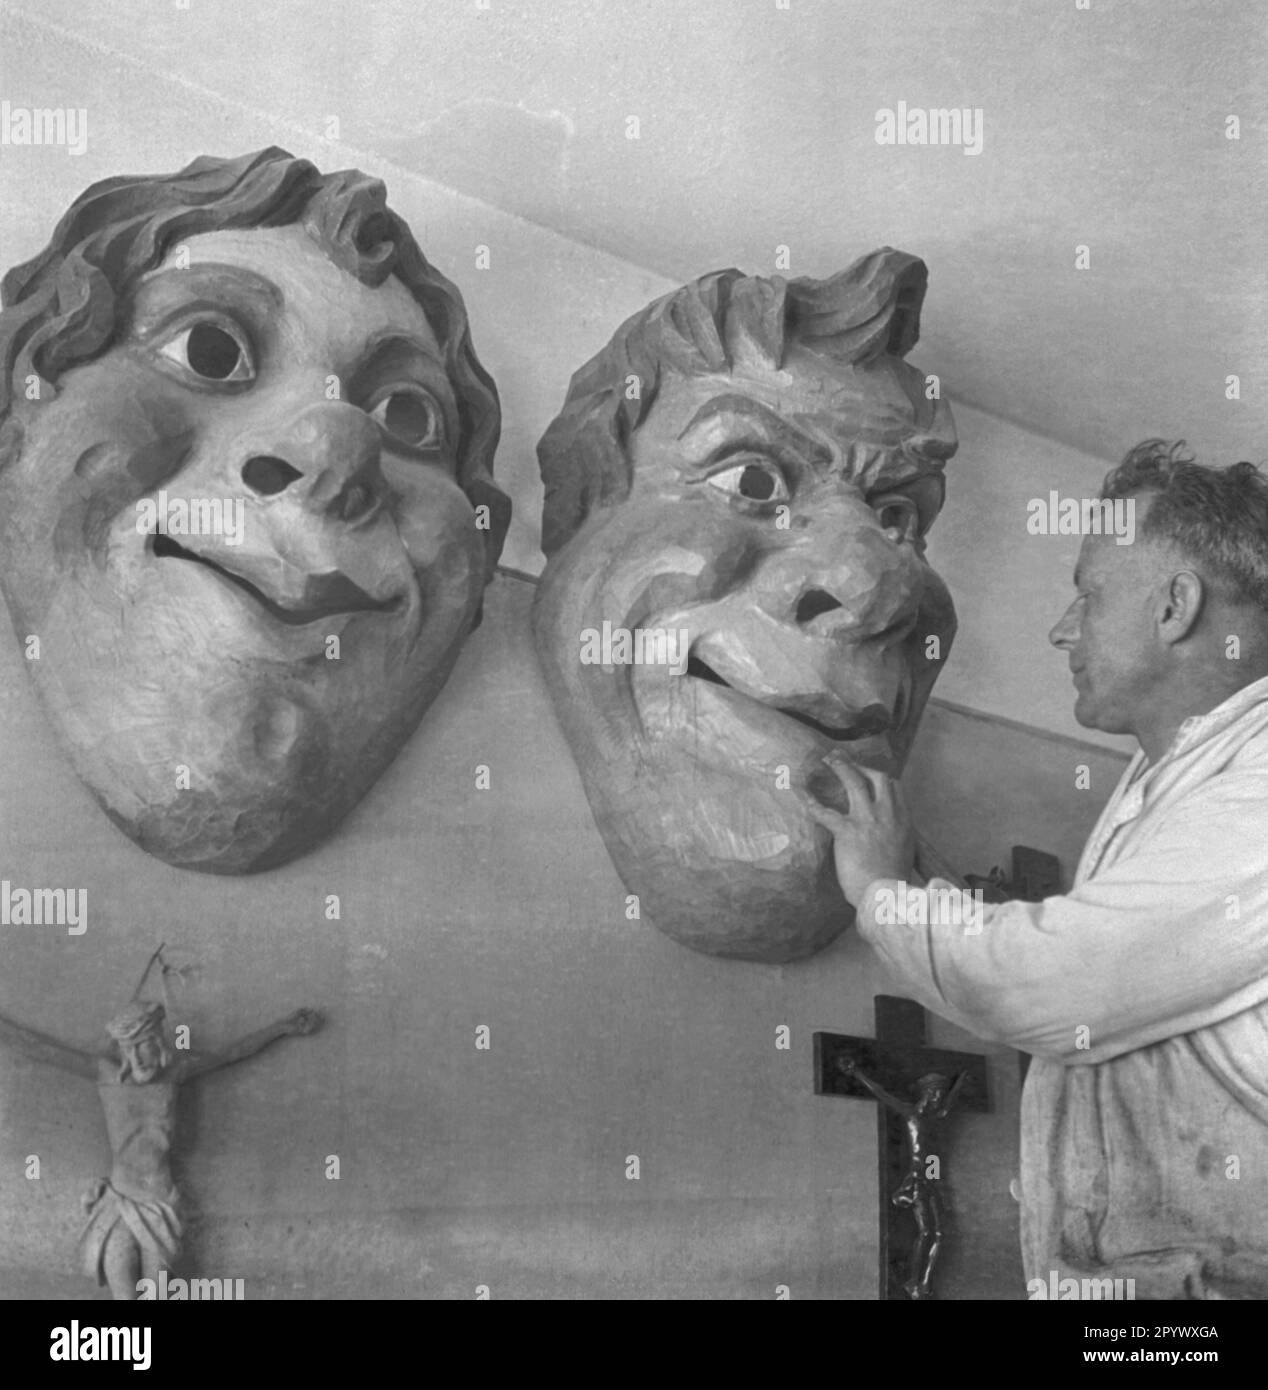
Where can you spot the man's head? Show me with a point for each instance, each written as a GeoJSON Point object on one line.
{"type": "Point", "coordinates": [246, 501]}
{"type": "Point", "coordinates": [749, 462]}
{"type": "Point", "coordinates": [1148, 631]}
{"type": "Point", "coordinates": [137, 1032]}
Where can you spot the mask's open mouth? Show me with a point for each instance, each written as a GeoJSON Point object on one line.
{"type": "Point", "coordinates": [325, 594]}
{"type": "Point", "coordinates": [875, 719]}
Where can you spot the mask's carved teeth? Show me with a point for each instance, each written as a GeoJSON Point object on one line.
{"type": "Point", "coordinates": [335, 593]}
{"type": "Point", "coordinates": [872, 721]}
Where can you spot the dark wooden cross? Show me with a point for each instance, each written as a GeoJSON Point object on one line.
{"type": "Point", "coordinates": [896, 1061]}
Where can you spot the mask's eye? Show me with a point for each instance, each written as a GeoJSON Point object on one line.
{"type": "Point", "coordinates": [212, 352]}
{"type": "Point", "coordinates": [910, 507]}
{"type": "Point", "coordinates": [897, 512]}
{"type": "Point", "coordinates": [410, 418]}
{"type": "Point", "coordinates": [753, 481]}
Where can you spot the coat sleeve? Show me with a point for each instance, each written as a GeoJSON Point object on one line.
{"type": "Point", "coordinates": [1170, 938]}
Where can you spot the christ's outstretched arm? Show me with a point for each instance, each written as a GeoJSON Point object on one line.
{"type": "Point", "coordinates": [851, 1069]}
{"type": "Point", "coordinates": [39, 1047]}
{"type": "Point", "coordinates": [301, 1022]}
{"type": "Point", "coordinates": [945, 1108]}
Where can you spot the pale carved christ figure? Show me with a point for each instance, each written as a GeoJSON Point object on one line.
{"type": "Point", "coordinates": [134, 1225]}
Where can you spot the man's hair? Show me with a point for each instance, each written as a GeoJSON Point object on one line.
{"type": "Point", "coordinates": [868, 311]}
{"type": "Point", "coordinates": [1216, 517]}
{"type": "Point", "coordinates": [63, 307]}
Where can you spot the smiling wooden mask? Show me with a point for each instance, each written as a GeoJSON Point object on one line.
{"type": "Point", "coordinates": [246, 502]}
{"type": "Point", "coordinates": [737, 493]}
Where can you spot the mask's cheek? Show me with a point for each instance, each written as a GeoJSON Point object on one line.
{"type": "Point", "coordinates": [103, 442]}
{"type": "Point", "coordinates": [437, 526]}
{"type": "Point", "coordinates": [649, 559]}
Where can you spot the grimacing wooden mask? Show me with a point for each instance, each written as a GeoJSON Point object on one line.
{"type": "Point", "coordinates": [246, 503]}
{"type": "Point", "coordinates": [749, 467]}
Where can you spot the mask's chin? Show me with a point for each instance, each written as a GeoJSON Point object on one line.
{"type": "Point", "coordinates": [701, 789]}
{"type": "Point", "coordinates": [222, 737]}
{"type": "Point", "coordinates": [705, 817]}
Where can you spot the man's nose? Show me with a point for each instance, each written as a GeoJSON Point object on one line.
{"type": "Point", "coordinates": [327, 458]}
{"type": "Point", "coordinates": [1066, 630]}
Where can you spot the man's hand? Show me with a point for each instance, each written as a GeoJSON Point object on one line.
{"type": "Point", "coordinates": [875, 839]}
{"type": "Point", "coordinates": [304, 1021]}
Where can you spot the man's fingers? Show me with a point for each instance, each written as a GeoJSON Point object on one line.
{"type": "Point", "coordinates": [894, 799]}
{"type": "Point", "coordinates": [881, 783]}
{"type": "Point", "coordinates": [830, 820]}
{"type": "Point", "coordinates": [866, 786]}
{"type": "Point", "coordinates": [853, 778]}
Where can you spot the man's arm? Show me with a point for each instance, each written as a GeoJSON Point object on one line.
{"type": "Point", "coordinates": [1171, 938]}
{"type": "Point", "coordinates": [39, 1047]}
{"type": "Point", "coordinates": [301, 1022]}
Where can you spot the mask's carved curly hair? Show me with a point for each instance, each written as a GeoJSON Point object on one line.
{"type": "Point", "coordinates": [868, 311]}
{"type": "Point", "coordinates": [63, 307]}
{"type": "Point", "coordinates": [1216, 517]}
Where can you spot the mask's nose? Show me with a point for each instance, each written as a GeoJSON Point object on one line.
{"type": "Point", "coordinates": [820, 627]}
{"type": "Point", "coordinates": [316, 529]}
{"type": "Point", "coordinates": [327, 459]}
{"type": "Point", "coordinates": [845, 578]}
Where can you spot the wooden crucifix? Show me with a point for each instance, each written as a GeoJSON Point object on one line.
{"type": "Point", "coordinates": [916, 1087]}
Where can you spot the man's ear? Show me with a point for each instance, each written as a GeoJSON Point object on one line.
{"type": "Point", "coordinates": [1182, 603]}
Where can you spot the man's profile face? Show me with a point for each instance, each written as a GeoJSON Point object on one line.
{"type": "Point", "coordinates": [1108, 630]}
{"type": "Point", "coordinates": [794, 566]}
{"type": "Point", "coordinates": [227, 697]}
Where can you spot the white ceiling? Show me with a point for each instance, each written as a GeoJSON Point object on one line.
{"type": "Point", "coordinates": [1103, 127]}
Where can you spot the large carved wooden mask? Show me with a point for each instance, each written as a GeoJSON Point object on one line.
{"type": "Point", "coordinates": [737, 494]}
{"type": "Point", "coordinates": [246, 503]}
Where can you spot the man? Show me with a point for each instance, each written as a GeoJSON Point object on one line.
{"type": "Point", "coordinates": [1143, 992]}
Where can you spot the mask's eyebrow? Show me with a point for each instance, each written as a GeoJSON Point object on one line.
{"type": "Point", "coordinates": [773, 428]}
{"type": "Point", "coordinates": [209, 284]}
{"type": "Point", "coordinates": [392, 349]}
{"type": "Point", "coordinates": [393, 356]}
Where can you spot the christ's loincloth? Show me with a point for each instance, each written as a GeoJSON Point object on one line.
{"type": "Point", "coordinates": [155, 1226]}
